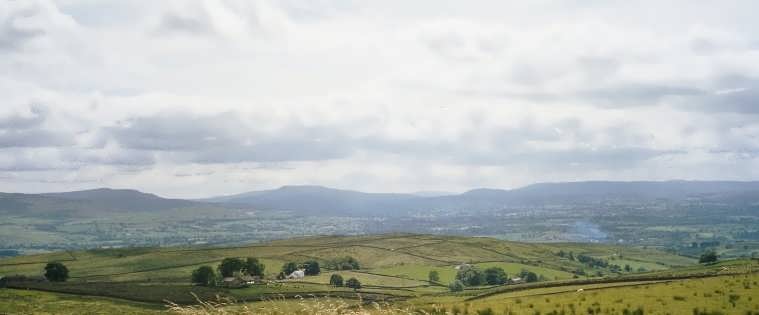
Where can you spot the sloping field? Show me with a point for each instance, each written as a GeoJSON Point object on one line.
{"type": "Point", "coordinates": [393, 267]}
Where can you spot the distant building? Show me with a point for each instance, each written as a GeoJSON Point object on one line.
{"type": "Point", "coordinates": [297, 274]}
{"type": "Point", "coordinates": [463, 266]}
{"type": "Point", "coordinates": [516, 280]}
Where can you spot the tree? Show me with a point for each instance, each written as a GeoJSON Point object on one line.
{"type": "Point", "coordinates": [336, 280]}
{"type": "Point", "coordinates": [229, 266]}
{"type": "Point", "coordinates": [204, 276]}
{"type": "Point", "coordinates": [254, 267]}
{"type": "Point", "coordinates": [495, 276]}
{"type": "Point", "coordinates": [288, 268]}
{"type": "Point", "coordinates": [56, 272]}
{"type": "Point", "coordinates": [628, 268]}
{"type": "Point", "coordinates": [353, 283]}
{"type": "Point", "coordinates": [312, 268]}
{"type": "Point", "coordinates": [433, 276]}
{"type": "Point", "coordinates": [528, 276]}
{"type": "Point", "coordinates": [471, 276]}
{"type": "Point", "coordinates": [708, 257]}
{"type": "Point", "coordinates": [343, 263]}
{"type": "Point", "coordinates": [456, 286]}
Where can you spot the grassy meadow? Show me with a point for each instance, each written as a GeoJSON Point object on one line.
{"type": "Point", "coordinates": [394, 268]}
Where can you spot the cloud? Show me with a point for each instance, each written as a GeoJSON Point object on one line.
{"type": "Point", "coordinates": [412, 96]}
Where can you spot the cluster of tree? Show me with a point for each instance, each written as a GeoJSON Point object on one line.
{"type": "Point", "coordinates": [709, 256]}
{"type": "Point", "coordinates": [592, 261]}
{"type": "Point", "coordinates": [56, 272]}
{"type": "Point", "coordinates": [206, 276]}
{"type": "Point", "coordinates": [336, 280]}
{"type": "Point", "coordinates": [343, 263]}
{"type": "Point", "coordinates": [529, 276]}
{"type": "Point", "coordinates": [473, 276]}
{"type": "Point", "coordinates": [251, 266]}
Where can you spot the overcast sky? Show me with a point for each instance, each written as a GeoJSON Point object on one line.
{"type": "Point", "coordinates": [198, 98]}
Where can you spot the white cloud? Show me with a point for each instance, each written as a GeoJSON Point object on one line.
{"type": "Point", "coordinates": [194, 98]}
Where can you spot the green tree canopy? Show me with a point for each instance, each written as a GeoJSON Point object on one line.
{"type": "Point", "coordinates": [289, 267]}
{"type": "Point", "coordinates": [528, 276]}
{"type": "Point", "coordinates": [254, 267]}
{"type": "Point", "coordinates": [495, 276]}
{"type": "Point", "coordinates": [353, 283]}
{"type": "Point", "coordinates": [456, 286]}
{"type": "Point", "coordinates": [311, 267]}
{"type": "Point", "coordinates": [204, 276]}
{"type": "Point", "coordinates": [343, 263]}
{"type": "Point", "coordinates": [336, 280]}
{"type": "Point", "coordinates": [471, 276]}
{"type": "Point", "coordinates": [229, 266]}
{"type": "Point", "coordinates": [56, 272]}
{"type": "Point", "coordinates": [433, 276]}
{"type": "Point", "coordinates": [708, 257]}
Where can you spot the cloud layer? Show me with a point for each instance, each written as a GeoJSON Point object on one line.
{"type": "Point", "coordinates": [190, 99]}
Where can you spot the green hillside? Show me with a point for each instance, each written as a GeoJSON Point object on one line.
{"type": "Point", "coordinates": [393, 267]}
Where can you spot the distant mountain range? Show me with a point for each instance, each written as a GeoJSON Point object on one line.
{"type": "Point", "coordinates": [86, 203]}
{"type": "Point", "coordinates": [318, 200]}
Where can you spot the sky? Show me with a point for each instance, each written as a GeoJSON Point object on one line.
{"type": "Point", "coordinates": [198, 98]}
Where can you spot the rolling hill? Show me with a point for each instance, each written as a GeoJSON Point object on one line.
{"type": "Point", "coordinates": [89, 203]}
{"type": "Point", "coordinates": [394, 267]}
{"type": "Point", "coordinates": [317, 200]}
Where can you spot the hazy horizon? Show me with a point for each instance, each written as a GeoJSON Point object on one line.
{"type": "Point", "coordinates": [195, 99]}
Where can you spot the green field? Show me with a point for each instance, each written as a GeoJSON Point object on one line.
{"type": "Point", "coordinates": [393, 268]}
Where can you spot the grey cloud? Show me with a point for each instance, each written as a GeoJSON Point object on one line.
{"type": "Point", "coordinates": [225, 138]}
{"type": "Point", "coordinates": [20, 130]}
{"type": "Point", "coordinates": [38, 114]}
{"type": "Point", "coordinates": [172, 23]}
{"type": "Point", "coordinates": [15, 30]}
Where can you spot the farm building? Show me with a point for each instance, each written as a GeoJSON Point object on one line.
{"type": "Point", "coordinates": [297, 274]}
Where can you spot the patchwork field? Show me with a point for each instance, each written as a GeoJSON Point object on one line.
{"type": "Point", "coordinates": [393, 268]}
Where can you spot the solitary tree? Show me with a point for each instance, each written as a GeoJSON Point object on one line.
{"type": "Point", "coordinates": [311, 267]}
{"type": "Point", "coordinates": [254, 267]}
{"type": "Point", "coordinates": [336, 280]}
{"type": "Point", "coordinates": [229, 266]}
{"type": "Point", "coordinates": [433, 276]}
{"type": "Point", "coordinates": [56, 272]}
{"type": "Point", "coordinates": [495, 276]}
{"type": "Point", "coordinates": [204, 276]}
{"type": "Point", "coordinates": [289, 267]}
{"type": "Point", "coordinates": [353, 283]}
{"type": "Point", "coordinates": [708, 257]}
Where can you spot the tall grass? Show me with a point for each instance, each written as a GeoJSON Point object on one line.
{"type": "Point", "coordinates": [304, 305]}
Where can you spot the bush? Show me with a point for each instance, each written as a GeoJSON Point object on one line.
{"type": "Point", "coordinates": [336, 280]}
{"type": "Point", "coordinates": [456, 286]}
{"type": "Point", "coordinates": [353, 283]}
{"type": "Point", "coordinates": [433, 276]}
{"type": "Point", "coordinates": [56, 272]}
{"type": "Point", "coordinates": [311, 267]}
{"type": "Point", "coordinates": [204, 276]}
{"type": "Point", "coordinates": [708, 257]}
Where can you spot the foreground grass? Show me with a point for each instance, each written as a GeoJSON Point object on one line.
{"type": "Point", "coordinates": [36, 302]}
{"type": "Point", "coordinates": [734, 294]}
